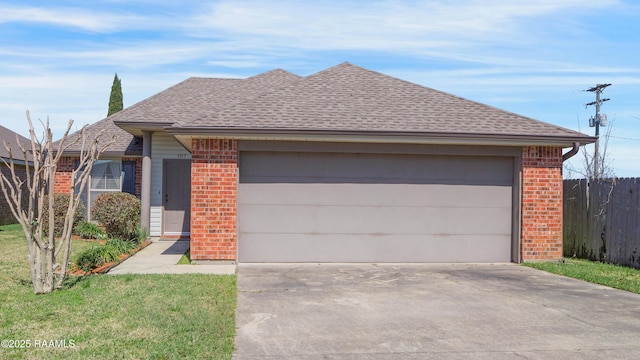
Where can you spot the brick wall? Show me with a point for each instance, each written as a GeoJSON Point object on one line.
{"type": "Point", "coordinates": [541, 237]}
{"type": "Point", "coordinates": [214, 181]}
{"type": "Point", "coordinates": [62, 180]}
{"type": "Point", "coordinates": [6, 216]}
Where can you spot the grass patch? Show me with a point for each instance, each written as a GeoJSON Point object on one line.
{"type": "Point", "coordinates": [186, 258]}
{"type": "Point", "coordinates": [115, 317]}
{"type": "Point", "coordinates": [615, 276]}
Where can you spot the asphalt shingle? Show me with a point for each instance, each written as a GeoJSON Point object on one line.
{"type": "Point", "coordinates": [13, 139]}
{"type": "Point", "coordinates": [182, 99]}
{"type": "Point", "coordinates": [342, 98]}
{"type": "Point", "coordinates": [350, 98]}
{"type": "Point", "coordinates": [182, 103]}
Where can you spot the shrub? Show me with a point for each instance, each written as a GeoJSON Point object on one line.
{"type": "Point", "coordinates": [109, 253]}
{"type": "Point", "coordinates": [119, 213]}
{"type": "Point", "coordinates": [90, 259]}
{"type": "Point", "coordinates": [87, 230]}
{"type": "Point", "coordinates": [140, 235]}
{"type": "Point", "coordinates": [121, 245]}
{"type": "Point", "coordinates": [60, 205]}
{"type": "Point", "coordinates": [97, 256]}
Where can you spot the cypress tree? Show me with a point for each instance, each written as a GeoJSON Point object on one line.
{"type": "Point", "coordinates": [115, 100]}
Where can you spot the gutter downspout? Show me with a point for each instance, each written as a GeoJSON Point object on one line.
{"type": "Point", "coordinates": [570, 153]}
{"type": "Point", "coordinates": [567, 156]}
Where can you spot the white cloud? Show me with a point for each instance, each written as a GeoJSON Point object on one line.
{"type": "Point", "coordinates": [82, 97]}
{"type": "Point", "coordinates": [381, 25]}
{"type": "Point", "coordinates": [520, 55]}
{"type": "Point", "coordinates": [130, 55]}
{"type": "Point", "coordinates": [71, 17]}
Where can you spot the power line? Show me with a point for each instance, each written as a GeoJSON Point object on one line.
{"type": "Point", "coordinates": [621, 138]}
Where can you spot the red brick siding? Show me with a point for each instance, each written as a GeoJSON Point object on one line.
{"type": "Point", "coordinates": [62, 181]}
{"type": "Point", "coordinates": [214, 182]}
{"type": "Point", "coordinates": [138, 174]}
{"type": "Point", "coordinates": [541, 237]}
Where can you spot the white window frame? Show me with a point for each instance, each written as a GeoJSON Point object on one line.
{"type": "Point", "coordinates": [90, 190]}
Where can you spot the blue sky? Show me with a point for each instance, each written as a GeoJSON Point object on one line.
{"type": "Point", "coordinates": [532, 57]}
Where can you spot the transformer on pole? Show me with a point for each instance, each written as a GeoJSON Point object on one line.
{"type": "Point", "coordinates": [597, 121]}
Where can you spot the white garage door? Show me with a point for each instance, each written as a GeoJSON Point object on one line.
{"type": "Point", "coordinates": [347, 207]}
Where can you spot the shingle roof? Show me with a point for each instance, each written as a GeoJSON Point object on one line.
{"type": "Point", "coordinates": [243, 91]}
{"type": "Point", "coordinates": [125, 143]}
{"type": "Point", "coordinates": [159, 107]}
{"type": "Point", "coordinates": [187, 100]}
{"type": "Point", "coordinates": [13, 139]}
{"type": "Point", "coordinates": [184, 100]}
{"type": "Point", "coordinates": [350, 98]}
{"type": "Point", "coordinates": [344, 98]}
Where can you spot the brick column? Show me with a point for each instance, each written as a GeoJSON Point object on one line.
{"type": "Point", "coordinates": [62, 180]}
{"type": "Point", "coordinates": [214, 181]}
{"type": "Point", "coordinates": [541, 237]}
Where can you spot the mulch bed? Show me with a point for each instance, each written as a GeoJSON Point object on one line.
{"type": "Point", "coordinates": [110, 265]}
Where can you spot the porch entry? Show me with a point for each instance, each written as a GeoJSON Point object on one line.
{"type": "Point", "coordinates": [176, 197]}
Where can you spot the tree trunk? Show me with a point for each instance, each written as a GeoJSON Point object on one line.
{"type": "Point", "coordinates": [46, 274]}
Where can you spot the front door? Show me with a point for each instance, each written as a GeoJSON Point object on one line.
{"type": "Point", "coordinates": [176, 197]}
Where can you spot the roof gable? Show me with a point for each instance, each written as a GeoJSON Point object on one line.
{"type": "Point", "coordinates": [242, 91]}
{"type": "Point", "coordinates": [342, 100]}
{"type": "Point", "coordinates": [350, 98]}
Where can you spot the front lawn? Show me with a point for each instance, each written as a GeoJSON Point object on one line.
{"type": "Point", "coordinates": [113, 317]}
{"type": "Point", "coordinates": [615, 276]}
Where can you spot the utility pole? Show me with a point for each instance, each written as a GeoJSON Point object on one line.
{"type": "Point", "coordinates": [597, 121]}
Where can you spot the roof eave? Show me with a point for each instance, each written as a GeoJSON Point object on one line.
{"type": "Point", "coordinates": [107, 154]}
{"type": "Point", "coordinates": [185, 135]}
{"type": "Point", "coordinates": [15, 161]}
{"type": "Point", "coordinates": [136, 128]}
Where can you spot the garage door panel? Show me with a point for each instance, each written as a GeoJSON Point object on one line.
{"type": "Point", "coordinates": [375, 195]}
{"type": "Point", "coordinates": [337, 207]}
{"type": "Point", "coordinates": [296, 167]}
{"type": "Point", "coordinates": [300, 219]}
{"type": "Point", "coordinates": [371, 248]}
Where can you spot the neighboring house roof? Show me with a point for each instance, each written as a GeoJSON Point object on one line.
{"type": "Point", "coordinates": [13, 139]}
{"type": "Point", "coordinates": [345, 103]}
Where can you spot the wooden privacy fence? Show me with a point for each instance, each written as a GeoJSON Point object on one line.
{"type": "Point", "coordinates": [602, 220]}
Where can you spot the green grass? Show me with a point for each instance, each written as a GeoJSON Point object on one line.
{"type": "Point", "coordinates": [615, 276]}
{"type": "Point", "coordinates": [186, 258]}
{"type": "Point", "coordinates": [115, 317]}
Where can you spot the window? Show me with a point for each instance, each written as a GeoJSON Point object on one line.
{"type": "Point", "coordinates": [106, 176]}
{"type": "Point", "coordinates": [129, 178]}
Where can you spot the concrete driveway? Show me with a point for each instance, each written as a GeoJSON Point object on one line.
{"type": "Point", "coordinates": [429, 311]}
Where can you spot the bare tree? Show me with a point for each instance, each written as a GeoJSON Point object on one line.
{"type": "Point", "coordinates": [48, 256]}
{"type": "Point", "coordinates": [585, 169]}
